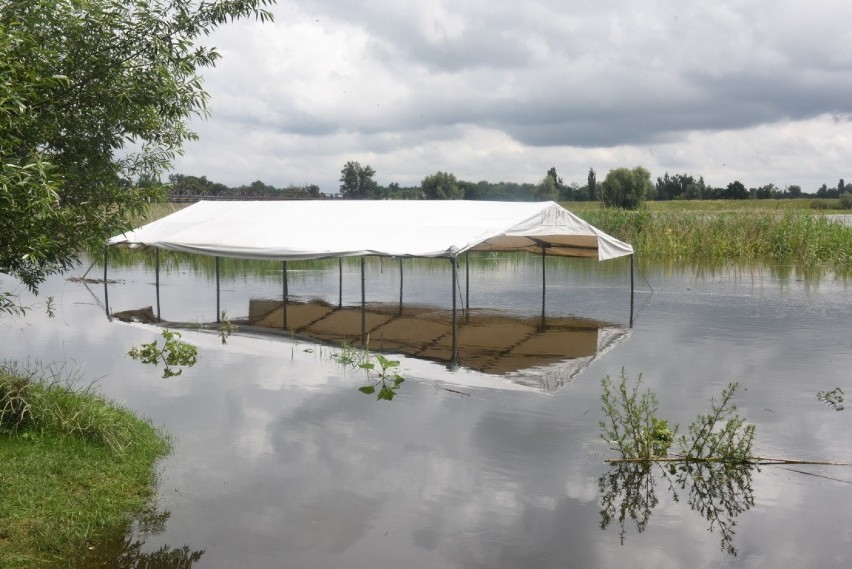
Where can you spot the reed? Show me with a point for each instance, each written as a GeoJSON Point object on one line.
{"type": "Point", "coordinates": [790, 237]}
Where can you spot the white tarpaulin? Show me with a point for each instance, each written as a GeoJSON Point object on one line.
{"type": "Point", "coordinates": [293, 230]}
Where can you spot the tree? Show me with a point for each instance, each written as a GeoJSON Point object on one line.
{"type": "Point", "coordinates": [625, 188]}
{"type": "Point", "coordinates": [441, 186]}
{"type": "Point", "coordinates": [678, 186]}
{"type": "Point", "coordinates": [592, 184]}
{"type": "Point", "coordinates": [92, 94]}
{"type": "Point", "coordinates": [547, 189]}
{"type": "Point", "coordinates": [356, 182]}
{"type": "Point", "coordinates": [793, 191]}
{"type": "Point", "coordinates": [735, 191]}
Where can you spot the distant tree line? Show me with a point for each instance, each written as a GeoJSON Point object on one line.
{"type": "Point", "coordinates": [622, 187]}
{"type": "Point", "coordinates": [191, 188]}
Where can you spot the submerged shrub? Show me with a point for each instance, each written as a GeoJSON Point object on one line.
{"type": "Point", "coordinates": [633, 429]}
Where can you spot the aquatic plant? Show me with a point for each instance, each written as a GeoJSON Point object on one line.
{"type": "Point", "coordinates": [833, 398]}
{"type": "Point", "coordinates": [225, 327]}
{"type": "Point", "coordinates": [388, 381]}
{"type": "Point", "coordinates": [713, 465]}
{"type": "Point", "coordinates": [791, 237]}
{"type": "Point", "coordinates": [633, 429]}
{"type": "Point", "coordinates": [719, 492]}
{"type": "Point", "coordinates": [174, 353]}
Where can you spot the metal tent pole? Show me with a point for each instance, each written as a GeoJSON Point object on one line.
{"type": "Point", "coordinates": [632, 266]}
{"type": "Point", "coordinates": [218, 294]}
{"type": "Point", "coordinates": [543, 281]}
{"type": "Point", "coordinates": [467, 280]}
{"type": "Point", "coordinates": [106, 291]}
{"type": "Point", "coordinates": [400, 286]}
{"type": "Point", "coordinates": [340, 283]}
{"type": "Point", "coordinates": [157, 279]}
{"type": "Point", "coordinates": [454, 357]}
{"type": "Point", "coordinates": [285, 292]}
{"type": "Point", "coordinates": [363, 308]}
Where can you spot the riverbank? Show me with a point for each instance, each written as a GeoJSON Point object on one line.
{"type": "Point", "coordinates": [76, 469]}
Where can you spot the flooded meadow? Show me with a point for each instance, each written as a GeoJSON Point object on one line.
{"type": "Point", "coordinates": [281, 461]}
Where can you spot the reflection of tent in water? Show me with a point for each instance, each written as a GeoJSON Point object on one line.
{"type": "Point", "coordinates": [300, 230]}
{"type": "Point", "coordinates": [488, 341]}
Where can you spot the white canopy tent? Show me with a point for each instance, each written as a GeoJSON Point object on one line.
{"type": "Point", "coordinates": [301, 230]}
{"type": "Point", "coordinates": [296, 230]}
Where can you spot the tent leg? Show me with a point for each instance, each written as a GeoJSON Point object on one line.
{"type": "Point", "coordinates": [543, 282]}
{"type": "Point", "coordinates": [400, 286]}
{"type": "Point", "coordinates": [340, 283]}
{"type": "Point", "coordinates": [106, 291]}
{"type": "Point", "coordinates": [218, 294]}
{"type": "Point", "coordinates": [467, 282]}
{"type": "Point", "coordinates": [632, 266]}
{"type": "Point", "coordinates": [454, 358]}
{"type": "Point", "coordinates": [157, 279]}
{"type": "Point", "coordinates": [285, 292]}
{"type": "Point", "coordinates": [363, 309]}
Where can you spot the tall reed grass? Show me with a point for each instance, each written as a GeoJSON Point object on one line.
{"type": "Point", "coordinates": [785, 238]}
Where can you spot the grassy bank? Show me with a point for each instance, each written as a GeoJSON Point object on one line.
{"type": "Point", "coordinates": [76, 468]}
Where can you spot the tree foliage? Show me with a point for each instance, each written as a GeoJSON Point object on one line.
{"type": "Point", "coordinates": [441, 186]}
{"type": "Point", "coordinates": [625, 188]}
{"type": "Point", "coordinates": [356, 181]}
{"type": "Point", "coordinates": [94, 93]}
{"type": "Point", "coordinates": [547, 189]}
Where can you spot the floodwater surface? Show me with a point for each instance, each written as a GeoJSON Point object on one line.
{"type": "Point", "coordinates": [280, 460]}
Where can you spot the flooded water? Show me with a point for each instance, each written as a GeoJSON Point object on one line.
{"type": "Point", "coordinates": [280, 461]}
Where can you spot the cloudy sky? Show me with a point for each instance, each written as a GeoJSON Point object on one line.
{"type": "Point", "coordinates": [494, 90]}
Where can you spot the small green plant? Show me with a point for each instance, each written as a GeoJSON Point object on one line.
{"type": "Point", "coordinates": [388, 382]}
{"type": "Point", "coordinates": [172, 354]}
{"type": "Point", "coordinates": [833, 398]}
{"type": "Point", "coordinates": [351, 357]}
{"type": "Point", "coordinates": [225, 327]}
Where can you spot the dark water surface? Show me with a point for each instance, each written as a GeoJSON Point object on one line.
{"type": "Point", "coordinates": [281, 462]}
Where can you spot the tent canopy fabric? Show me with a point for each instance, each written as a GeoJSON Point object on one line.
{"type": "Point", "coordinates": [298, 230]}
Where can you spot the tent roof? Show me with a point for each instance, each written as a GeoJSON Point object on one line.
{"type": "Point", "coordinates": [294, 230]}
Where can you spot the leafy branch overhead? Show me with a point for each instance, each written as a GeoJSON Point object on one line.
{"type": "Point", "coordinates": [94, 96]}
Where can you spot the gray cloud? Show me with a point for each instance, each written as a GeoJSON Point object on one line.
{"type": "Point", "coordinates": [608, 83]}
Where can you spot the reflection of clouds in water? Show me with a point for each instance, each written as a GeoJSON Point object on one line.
{"type": "Point", "coordinates": [279, 460]}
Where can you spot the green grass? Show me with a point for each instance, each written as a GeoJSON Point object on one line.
{"type": "Point", "coordinates": [76, 469]}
